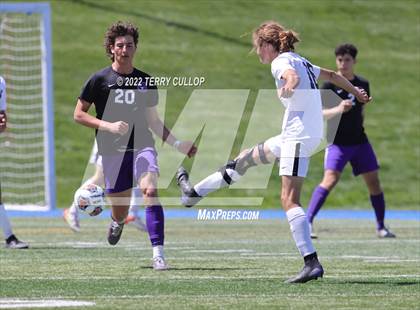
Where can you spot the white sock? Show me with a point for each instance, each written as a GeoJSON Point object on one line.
{"type": "Point", "coordinates": [136, 201]}
{"type": "Point", "coordinates": [4, 223]}
{"type": "Point", "coordinates": [73, 209]}
{"type": "Point", "coordinates": [299, 227]}
{"type": "Point", "coordinates": [158, 251]}
{"type": "Point", "coordinates": [214, 182]}
{"type": "Point", "coordinates": [88, 181]}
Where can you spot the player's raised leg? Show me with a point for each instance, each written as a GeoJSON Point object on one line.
{"type": "Point", "coordinates": [225, 176]}
{"type": "Point", "coordinates": [71, 214]}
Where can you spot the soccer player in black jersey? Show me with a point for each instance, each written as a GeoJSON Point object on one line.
{"type": "Point", "coordinates": [126, 113]}
{"type": "Point", "coordinates": [350, 144]}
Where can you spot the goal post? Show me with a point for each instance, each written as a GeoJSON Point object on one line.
{"type": "Point", "coordinates": [27, 164]}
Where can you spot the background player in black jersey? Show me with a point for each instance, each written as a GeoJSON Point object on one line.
{"type": "Point", "coordinates": [350, 144]}
{"type": "Point", "coordinates": [126, 111]}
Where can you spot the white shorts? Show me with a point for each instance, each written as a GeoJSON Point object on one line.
{"type": "Point", "coordinates": [95, 158]}
{"type": "Point", "coordinates": [294, 155]}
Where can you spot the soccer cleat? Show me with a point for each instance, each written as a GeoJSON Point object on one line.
{"type": "Point", "coordinates": [311, 271]}
{"type": "Point", "coordinates": [14, 243]}
{"type": "Point", "coordinates": [114, 232]}
{"type": "Point", "coordinates": [159, 263]}
{"type": "Point", "coordinates": [189, 196]}
{"type": "Point", "coordinates": [385, 233]}
{"type": "Point", "coordinates": [72, 219]}
{"type": "Point", "coordinates": [313, 234]}
{"type": "Point", "coordinates": [136, 221]}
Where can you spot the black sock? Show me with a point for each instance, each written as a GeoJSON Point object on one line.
{"type": "Point", "coordinates": [193, 194]}
{"type": "Point", "coordinates": [11, 238]}
{"type": "Point", "coordinates": [309, 258]}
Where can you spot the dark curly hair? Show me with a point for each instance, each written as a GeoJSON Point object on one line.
{"type": "Point", "coordinates": [119, 29]}
{"type": "Point", "coordinates": [346, 48]}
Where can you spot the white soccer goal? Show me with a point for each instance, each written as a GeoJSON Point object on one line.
{"type": "Point", "coordinates": [27, 169]}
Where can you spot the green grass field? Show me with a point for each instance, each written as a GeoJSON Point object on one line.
{"type": "Point", "coordinates": [233, 265]}
{"type": "Point", "coordinates": [204, 38]}
{"type": "Point", "coordinates": [215, 265]}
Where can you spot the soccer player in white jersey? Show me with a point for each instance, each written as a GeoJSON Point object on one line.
{"type": "Point", "coordinates": [11, 241]}
{"type": "Point", "coordinates": [302, 130]}
{"type": "Point", "coordinates": [71, 214]}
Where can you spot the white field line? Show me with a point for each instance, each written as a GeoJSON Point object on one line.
{"type": "Point", "coordinates": [236, 296]}
{"type": "Point", "coordinates": [393, 261]}
{"type": "Point", "coordinates": [379, 241]}
{"type": "Point", "coordinates": [244, 254]}
{"type": "Point", "coordinates": [42, 303]}
{"type": "Point", "coordinates": [215, 277]}
{"type": "Point", "coordinates": [216, 242]}
{"type": "Point", "coordinates": [213, 296]}
{"type": "Point", "coordinates": [222, 251]}
{"type": "Point", "coordinates": [379, 259]}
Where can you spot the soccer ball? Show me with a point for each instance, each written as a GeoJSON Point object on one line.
{"type": "Point", "coordinates": [90, 199]}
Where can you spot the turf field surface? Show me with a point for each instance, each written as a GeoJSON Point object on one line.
{"type": "Point", "coordinates": [214, 265]}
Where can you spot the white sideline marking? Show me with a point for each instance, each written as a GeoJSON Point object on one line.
{"type": "Point", "coordinates": [275, 254]}
{"type": "Point", "coordinates": [42, 303]}
{"type": "Point", "coordinates": [221, 251]}
{"type": "Point", "coordinates": [373, 276]}
{"type": "Point", "coordinates": [128, 244]}
{"type": "Point", "coordinates": [342, 276]}
{"type": "Point", "coordinates": [28, 207]}
{"type": "Point", "coordinates": [392, 261]}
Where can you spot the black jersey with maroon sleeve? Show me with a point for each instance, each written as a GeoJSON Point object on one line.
{"type": "Point", "coordinates": [350, 130]}
{"type": "Point", "coordinates": [119, 97]}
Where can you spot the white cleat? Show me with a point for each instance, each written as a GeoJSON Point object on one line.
{"type": "Point", "coordinates": [385, 233]}
{"type": "Point", "coordinates": [313, 234]}
{"type": "Point", "coordinates": [72, 219]}
{"type": "Point", "coordinates": [159, 263]}
{"type": "Point", "coordinates": [136, 221]}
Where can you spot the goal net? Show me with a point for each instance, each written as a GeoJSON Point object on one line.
{"type": "Point", "coordinates": [27, 173]}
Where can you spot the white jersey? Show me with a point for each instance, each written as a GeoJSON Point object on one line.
{"type": "Point", "coordinates": [303, 116]}
{"type": "Point", "coordinates": [2, 94]}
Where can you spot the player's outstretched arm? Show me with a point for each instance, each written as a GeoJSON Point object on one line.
{"type": "Point", "coordinates": [157, 126]}
{"type": "Point", "coordinates": [82, 117]}
{"type": "Point", "coordinates": [343, 83]}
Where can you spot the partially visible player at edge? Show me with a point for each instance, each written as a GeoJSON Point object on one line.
{"type": "Point", "coordinates": [125, 114]}
{"type": "Point", "coordinates": [71, 214]}
{"type": "Point", "coordinates": [275, 45]}
{"type": "Point", "coordinates": [350, 144]}
{"type": "Point", "coordinates": [11, 241]}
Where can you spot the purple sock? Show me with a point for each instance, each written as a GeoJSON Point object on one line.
{"type": "Point", "coordinates": [378, 204]}
{"type": "Point", "coordinates": [155, 224]}
{"type": "Point", "coordinates": [317, 200]}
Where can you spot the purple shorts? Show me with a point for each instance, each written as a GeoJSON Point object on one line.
{"type": "Point", "coordinates": [123, 170]}
{"type": "Point", "coordinates": [361, 157]}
